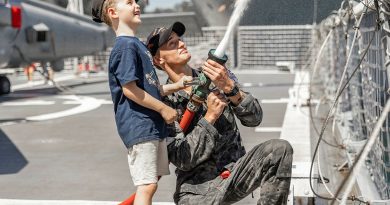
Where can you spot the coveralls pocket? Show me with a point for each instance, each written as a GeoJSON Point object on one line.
{"type": "Point", "coordinates": [197, 189]}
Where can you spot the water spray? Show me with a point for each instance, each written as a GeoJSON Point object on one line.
{"type": "Point", "coordinates": [201, 91]}
{"type": "Point", "coordinates": [240, 7]}
{"type": "Point", "coordinates": [218, 55]}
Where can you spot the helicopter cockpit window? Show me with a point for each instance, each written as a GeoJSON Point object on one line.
{"type": "Point", "coordinates": [37, 33]}
{"type": "Point", "coordinates": [41, 36]}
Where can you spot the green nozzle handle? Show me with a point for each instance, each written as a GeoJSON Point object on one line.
{"type": "Point", "coordinates": [201, 90]}
{"type": "Point", "coordinates": [217, 59]}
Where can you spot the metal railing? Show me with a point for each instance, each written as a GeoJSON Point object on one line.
{"type": "Point", "coordinates": [88, 64]}
{"type": "Point", "coordinates": [363, 101]}
{"type": "Point", "coordinates": [261, 47]}
{"type": "Point", "coordinates": [255, 47]}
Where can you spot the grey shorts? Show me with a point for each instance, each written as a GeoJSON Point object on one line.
{"type": "Point", "coordinates": [147, 161]}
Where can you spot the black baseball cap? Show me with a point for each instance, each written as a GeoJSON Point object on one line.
{"type": "Point", "coordinates": [159, 36]}
{"type": "Point", "coordinates": [97, 10]}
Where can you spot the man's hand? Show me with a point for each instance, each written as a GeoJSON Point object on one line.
{"type": "Point", "coordinates": [169, 114]}
{"type": "Point", "coordinates": [219, 75]}
{"type": "Point", "coordinates": [216, 103]}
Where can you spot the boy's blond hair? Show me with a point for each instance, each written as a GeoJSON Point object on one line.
{"type": "Point", "coordinates": [105, 17]}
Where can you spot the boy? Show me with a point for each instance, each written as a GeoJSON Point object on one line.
{"type": "Point", "coordinates": [136, 93]}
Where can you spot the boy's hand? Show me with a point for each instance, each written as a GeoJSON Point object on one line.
{"type": "Point", "coordinates": [169, 114]}
{"type": "Point", "coordinates": [184, 82]}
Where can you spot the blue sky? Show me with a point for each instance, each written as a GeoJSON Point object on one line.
{"type": "Point", "coordinates": [161, 4]}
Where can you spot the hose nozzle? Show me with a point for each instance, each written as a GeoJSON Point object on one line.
{"type": "Point", "coordinates": [221, 60]}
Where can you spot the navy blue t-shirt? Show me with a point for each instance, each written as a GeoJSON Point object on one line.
{"type": "Point", "coordinates": [130, 61]}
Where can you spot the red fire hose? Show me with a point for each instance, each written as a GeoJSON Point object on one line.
{"type": "Point", "coordinates": [186, 120]}
{"type": "Point", "coordinates": [129, 201]}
